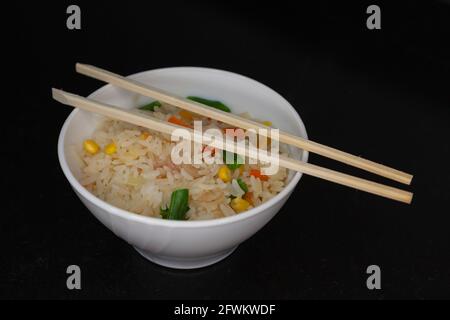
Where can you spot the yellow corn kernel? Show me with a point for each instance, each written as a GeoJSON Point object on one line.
{"type": "Point", "coordinates": [111, 148]}
{"type": "Point", "coordinates": [241, 170]}
{"type": "Point", "coordinates": [186, 115]}
{"type": "Point", "coordinates": [144, 135]}
{"type": "Point", "coordinates": [267, 123]}
{"type": "Point", "coordinates": [239, 204]}
{"type": "Point", "coordinates": [91, 146]}
{"type": "Point", "coordinates": [224, 173]}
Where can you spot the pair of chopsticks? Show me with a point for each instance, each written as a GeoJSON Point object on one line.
{"type": "Point", "coordinates": [236, 121]}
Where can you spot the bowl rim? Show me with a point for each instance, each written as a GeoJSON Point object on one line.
{"type": "Point", "coordinates": [177, 223]}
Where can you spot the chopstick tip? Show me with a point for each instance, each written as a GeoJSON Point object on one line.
{"type": "Point", "coordinates": [58, 95]}
{"type": "Point", "coordinates": [410, 178]}
{"type": "Point", "coordinates": [80, 66]}
{"type": "Point", "coordinates": [409, 198]}
{"type": "Point", "coordinates": [55, 91]}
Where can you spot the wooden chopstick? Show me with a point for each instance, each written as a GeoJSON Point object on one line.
{"type": "Point", "coordinates": [289, 163]}
{"type": "Point", "coordinates": [240, 122]}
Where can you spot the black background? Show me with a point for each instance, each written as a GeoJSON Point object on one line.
{"type": "Point", "coordinates": [382, 94]}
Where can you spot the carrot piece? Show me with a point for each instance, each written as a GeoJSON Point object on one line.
{"type": "Point", "coordinates": [179, 122]}
{"type": "Point", "coordinates": [208, 149]}
{"type": "Point", "coordinates": [186, 115]}
{"type": "Point", "coordinates": [248, 196]}
{"type": "Point", "coordinates": [257, 174]}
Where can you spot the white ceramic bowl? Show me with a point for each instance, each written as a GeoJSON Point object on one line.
{"type": "Point", "coordinates": [184, 244]}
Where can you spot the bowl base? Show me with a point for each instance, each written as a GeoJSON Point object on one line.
{"type": "Point", "coordinates": [185, 263]}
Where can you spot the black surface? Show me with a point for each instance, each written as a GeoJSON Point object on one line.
{"type": "Point", "coordinates": [382, 94]}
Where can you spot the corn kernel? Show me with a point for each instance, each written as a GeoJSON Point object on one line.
{"type": "Point", "coordinates": [267, 123]}
{"type": "Point", "coordinates": [144, 135]}
{"type": "Point", "coordinates": [111, 148]}
{"type": "Point", "coordinates": [91, 146]}
{"type": "Point", "coordinates": [224, 173]}
{"type": "Point", "coordinates": [239, 204]}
